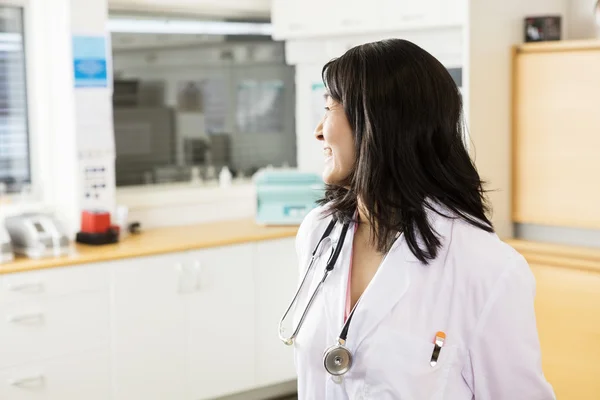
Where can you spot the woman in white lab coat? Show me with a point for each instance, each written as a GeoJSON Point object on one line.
{"type": "Point", "coordinates": [435, 305]}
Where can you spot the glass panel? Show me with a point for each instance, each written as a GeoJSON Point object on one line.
{"type": "Point", "coordinates": [14, 135]}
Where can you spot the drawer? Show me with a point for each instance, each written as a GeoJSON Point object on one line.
{"type": "Point", "coordinates": [76, 377]}
{"type": "Point", "coordinates": [39, 329]}
{"type": "Point", "coordinates": [53, 282]}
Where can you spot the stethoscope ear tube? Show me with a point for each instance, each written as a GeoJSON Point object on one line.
{"type": "Point", "coordinates": [290, 340]}
{"type": "Point", "coordinates": [337, 359]}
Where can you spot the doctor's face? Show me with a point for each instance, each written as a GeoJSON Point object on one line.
{"type": "Point", "coordinates": [336, 135]}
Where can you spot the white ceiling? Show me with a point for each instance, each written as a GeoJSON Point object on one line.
{"type": "Point", "coordinates": [214, 8]}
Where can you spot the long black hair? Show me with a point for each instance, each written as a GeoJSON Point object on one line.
{"type": "Point", "coordinates": [406, 114]}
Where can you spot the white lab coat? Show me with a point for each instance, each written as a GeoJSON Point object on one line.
{"type": "Point", "coordinates": [479, 291]}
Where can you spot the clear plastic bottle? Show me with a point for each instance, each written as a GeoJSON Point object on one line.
{"type": "Point", "coordinates": [225, 177]}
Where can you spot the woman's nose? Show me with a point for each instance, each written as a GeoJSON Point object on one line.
{"type": "Point", "coordinates": [319, 131]}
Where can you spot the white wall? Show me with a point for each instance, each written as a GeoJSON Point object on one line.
{"type": "Point", "coordinates": [494, 28]}
{"type": "Point", "coordinates": [580, 21]}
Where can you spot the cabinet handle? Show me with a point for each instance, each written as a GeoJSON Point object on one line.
{"type": "Point", "coordinates": [29, 382]}
{"type": "Point", "coordinates": [31, 318]}
{"type": "Point", "coordinates": [37, 287]}
{"type": "Point", "coordinates": [179, 268]}
{"type": "Point", "coordinates": [197, 272]}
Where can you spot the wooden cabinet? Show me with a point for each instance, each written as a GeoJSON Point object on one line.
{"type": "Point", "coordinates": [567, 306]}
{"type": "Point", "coordinates": [220, 323]}
{"type": "Point", "coordinates": [555, 134]}
{"type": "Point", "coordinates": [568, 316]}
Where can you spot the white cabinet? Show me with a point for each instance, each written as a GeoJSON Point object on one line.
{"type": "Point", "coordinates": [51, 313]}
{"type": "Point", "coordinates": [290, 19]}
{"type": "Point", "coordinates": [406, 14]}
{"type": "Point", "coordinates": [50, 283]}
{"type": "Point", "coordinates": [148, 325]}
{"type": "Point", "coordinates": [39, 329]}
{"type": "Point", "coordinates": [355, 17]}
{"type": "Point", "coordinates": [454, 12]}
{"type": "Point", "coordinates": [74, 377]}
{"type": "Point", "coordinates": [191, 325]}
{"type": "Point", "coordinates": [276, 277]}
{"type": "Point", "coordinates": [310, 18]}
{"type": "Point", "coordinates": [220, 327]}
{"type": "Point", "coordinates": [316, 18]}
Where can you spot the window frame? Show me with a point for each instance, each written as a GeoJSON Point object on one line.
{"type": "Point", "coordinates": [39, 170]}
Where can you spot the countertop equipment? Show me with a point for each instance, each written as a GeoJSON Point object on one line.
{"type": "Point", "coordinates": [285, 196]}
{"type": "Point", "coordinates": [6, 250]}
{"type": "Point", "coordinates": [37, 235]}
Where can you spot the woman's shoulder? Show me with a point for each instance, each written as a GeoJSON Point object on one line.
{"type": "Point", "coordinates": [483, 257]}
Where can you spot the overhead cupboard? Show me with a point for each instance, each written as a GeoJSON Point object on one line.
{"type": "Point", "coordinates": [310, 18]}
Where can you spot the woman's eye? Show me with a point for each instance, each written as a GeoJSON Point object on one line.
{"type": "Point", "coordinates": [326, 108]}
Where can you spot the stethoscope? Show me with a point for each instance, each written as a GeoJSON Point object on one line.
{"type": "Point", "coordinates": [337, 359]}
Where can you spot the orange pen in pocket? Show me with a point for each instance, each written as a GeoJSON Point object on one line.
{"type": "Point", "coordinates": [438, 342]}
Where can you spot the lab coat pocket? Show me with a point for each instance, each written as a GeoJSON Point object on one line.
{"type": "Point", "coordinates": [400, 368]}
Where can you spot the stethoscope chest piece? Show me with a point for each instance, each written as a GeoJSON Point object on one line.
{"type": "Point", "coordinates": [337, 360]}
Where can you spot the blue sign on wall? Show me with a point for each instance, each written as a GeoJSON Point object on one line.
{"type": "Point", "coordinates": [89, 61]}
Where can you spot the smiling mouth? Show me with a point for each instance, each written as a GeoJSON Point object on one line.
{"type": "Point", "coordinates": [327, 152]}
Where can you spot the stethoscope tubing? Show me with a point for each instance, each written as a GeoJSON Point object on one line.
{"type": "Point", "coordinates": [328, 268]}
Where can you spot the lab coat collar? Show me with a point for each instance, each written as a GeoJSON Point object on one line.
{"type": "Point", "coordinates": [390, 283]}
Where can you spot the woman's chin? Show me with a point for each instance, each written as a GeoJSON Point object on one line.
{"type": "Point", "coordinates": [330, 177]}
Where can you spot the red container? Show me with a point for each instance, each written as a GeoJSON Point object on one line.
{"type": "Point", "coordinates": [95, 221]}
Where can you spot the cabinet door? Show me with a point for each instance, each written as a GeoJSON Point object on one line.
{"type": "Point", "coordinates": [75, 377]}
{"type": "Point", "coordinates": [148, 328]}
{"type": "Point", "coordinates": [276, 277]}
{"type": "Point", "coordinates": [567, 306]}
{"type": "Point", "coordinates": [220, 335]}
{"type": "Point", "coordinates": [303, 19]}
{"type": "Point", "coordinates": [407, 14]}
{"type": "Point", "coordinates": [355, 17]}
{"type": "Point", "coordinates": [31, 330]}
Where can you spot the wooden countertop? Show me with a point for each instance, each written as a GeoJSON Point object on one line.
{"type": "Point", "coordinates": [223, 233]}
{"type": "Point", "coordinates": [559, 45]}
{"type": "Point", "coordinates": [572, 257]}
{"type": "Point", "coordinates": [159, 241]}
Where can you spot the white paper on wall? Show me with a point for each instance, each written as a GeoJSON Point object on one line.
{"type": "Point", "coordinates": [94, 120]}
{"type": "Point", "coordinates": [216, 104]}
{"type": "Point", "coordinates": [260, 107]}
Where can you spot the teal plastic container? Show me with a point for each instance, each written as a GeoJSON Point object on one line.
{"type": "Point", "coordinates": [284, 197]}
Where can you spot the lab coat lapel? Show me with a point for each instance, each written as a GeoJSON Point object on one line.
{"type": "Point", "coordinates": [336, 283]}
{"type": "Point", "coordinates": [390, 283]}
